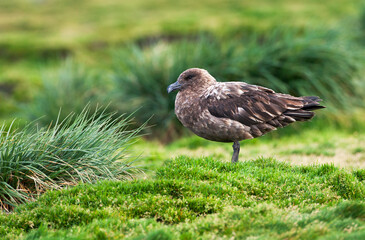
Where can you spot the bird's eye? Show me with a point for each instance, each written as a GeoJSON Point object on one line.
{"type": "Point", "coordinates": [188, 77]}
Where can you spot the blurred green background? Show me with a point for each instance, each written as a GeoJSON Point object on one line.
{"type": "Point", "coordinates": [62, 54]}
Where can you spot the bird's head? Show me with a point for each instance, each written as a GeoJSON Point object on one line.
{"type": "Point", "coordinates": [193, 79]}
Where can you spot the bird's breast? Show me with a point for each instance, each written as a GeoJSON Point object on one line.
{"type": "Point", "coordinates": [194, 115]}
{"type": "Point", "coordinates": [187, 109]}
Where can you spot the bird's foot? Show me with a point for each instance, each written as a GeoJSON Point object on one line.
{"type": "Point", "coordinates": [236, 151]}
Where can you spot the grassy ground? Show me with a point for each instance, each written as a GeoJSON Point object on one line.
{"type": "Point", "coordinates": [203, 198]}
{"type": "Point", "coordinates": [307, 147]}
{"type": "Point", "coordinates": [192, 191]}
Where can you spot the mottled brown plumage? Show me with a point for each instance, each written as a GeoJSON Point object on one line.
{"type": "Point", "coordinates": [234, 111]}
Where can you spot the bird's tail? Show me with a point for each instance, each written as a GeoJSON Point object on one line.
{"type": "Point", "coordinates": [305, 113]}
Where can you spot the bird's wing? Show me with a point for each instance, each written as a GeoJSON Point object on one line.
{"type": "Point", "coordinates": [248, 104]}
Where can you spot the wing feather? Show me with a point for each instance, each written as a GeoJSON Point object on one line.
{"type": "Point", "coordinates": [249, 104]}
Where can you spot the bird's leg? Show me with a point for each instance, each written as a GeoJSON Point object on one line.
{"type": "Point", "coordinates": [236, 151]}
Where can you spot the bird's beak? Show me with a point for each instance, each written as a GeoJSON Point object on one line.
{"type": "Point", "coordinates": [175, 86]}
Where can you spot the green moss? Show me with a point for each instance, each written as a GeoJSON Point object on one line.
{"type": "Point", "coordinates": [262, 196]}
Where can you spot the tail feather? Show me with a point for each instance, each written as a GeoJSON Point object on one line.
{"type": "Point", "coordinates": [312, 106]}
{"type": "Point", "coordinates": [300, 115]}
{"type": "Point", "coordinates": [305, 113]}
{"type": "Point", "coordinates": [312, 103]}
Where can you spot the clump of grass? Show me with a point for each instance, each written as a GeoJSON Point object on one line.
{"type": "Point", "coordinates": [70, 89]}
{"type": "Point", "coordinates": [85, 148]}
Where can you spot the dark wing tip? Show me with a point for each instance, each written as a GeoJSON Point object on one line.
{"type": "Point", "coordinates": [312, 103]}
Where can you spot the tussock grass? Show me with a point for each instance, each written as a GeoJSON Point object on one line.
{"type": "Point", "coordinates": [202, 197]}
{"type": "Point", "coordinates": [83, 149]}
